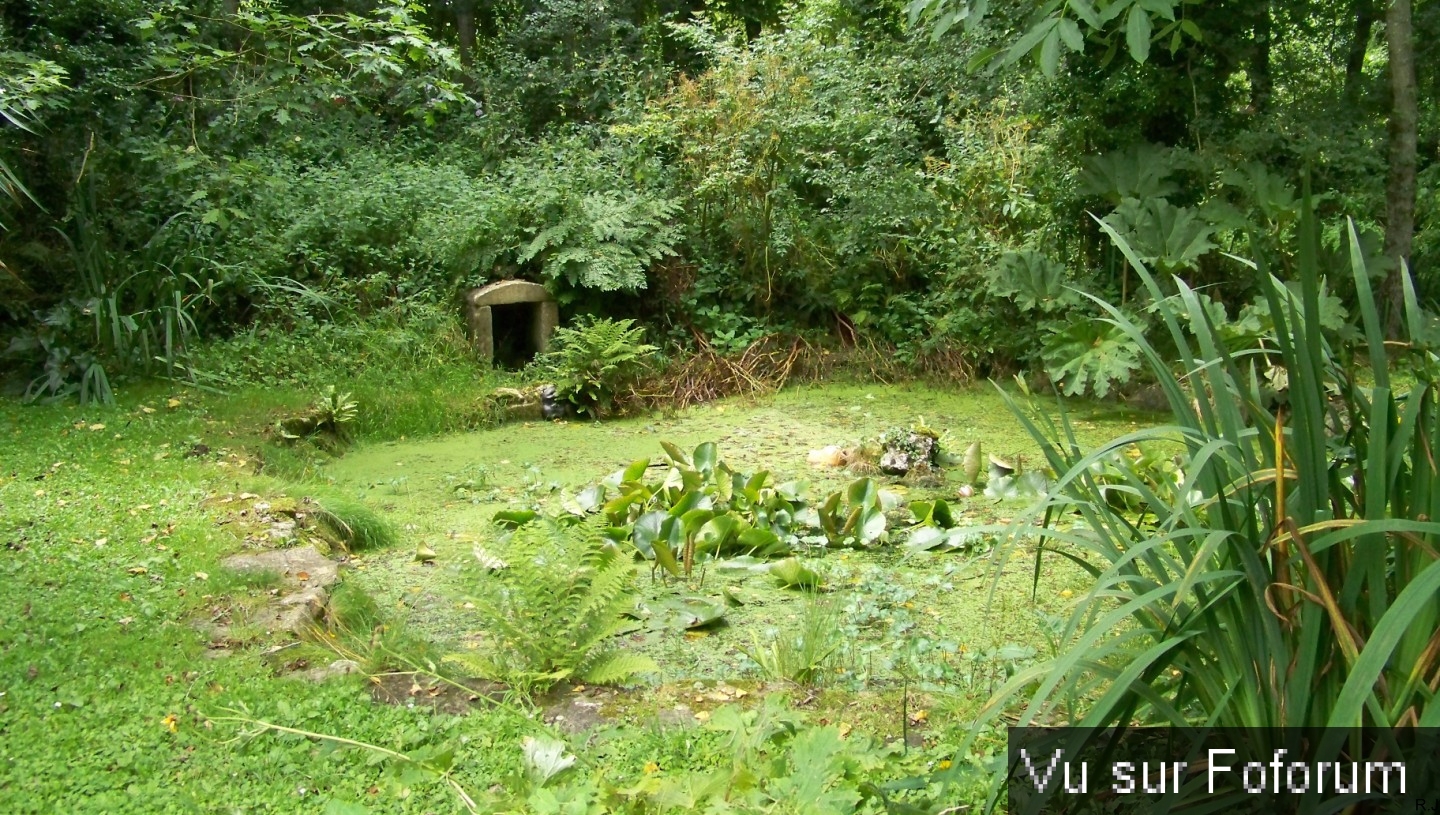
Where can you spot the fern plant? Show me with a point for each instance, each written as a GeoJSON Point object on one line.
{"type": "Point", "coordinates": [595, 360]}
{"type": "Point", "coordinates": [551, 612]}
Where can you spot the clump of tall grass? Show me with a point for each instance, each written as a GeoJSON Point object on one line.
{"type": "Point", "coordinates": [803, 654]}
{"type": "Point", "coordinates": [1291, 578]}
{"type": "Point", "coordinates": [353, 524]}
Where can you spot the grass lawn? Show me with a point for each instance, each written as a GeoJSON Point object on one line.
{"type": "Point", "coordinates": [114, 696]}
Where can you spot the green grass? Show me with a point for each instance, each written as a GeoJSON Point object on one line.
{"type": "Point", "coordinates": [113, 702]}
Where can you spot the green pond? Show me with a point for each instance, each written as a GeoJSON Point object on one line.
{"type": "Point", "coordinates": [954, 620]}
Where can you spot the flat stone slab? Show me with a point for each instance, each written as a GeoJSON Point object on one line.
{"type": "Point", "coordinates": [301, 566]}
{"type": "Point", "coordinates": [340, 667]}
{"type": "Point", "coordinates": [507, 292]}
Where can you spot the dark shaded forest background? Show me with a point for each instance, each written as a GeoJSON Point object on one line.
{"type": "Point", "coordinates": [923, 182]}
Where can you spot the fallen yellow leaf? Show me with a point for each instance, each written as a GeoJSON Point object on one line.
{"type": "Point", "coordinates": [171, 721]}
{"type": "Point", "coordinates": [97, 426]}
{"type": "Point", "coordinates": [173, 403]}
{"type": "Point", "coordinates": [147, 409]}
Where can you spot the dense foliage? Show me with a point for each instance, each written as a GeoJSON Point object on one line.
{"type": "Point", "coordinates": [179, 171]}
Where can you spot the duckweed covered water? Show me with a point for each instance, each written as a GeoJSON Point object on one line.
{"type": "Point", "coordinates": [943, 618]}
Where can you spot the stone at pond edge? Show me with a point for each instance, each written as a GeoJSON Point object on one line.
{"type": "Point", "coordinates": [530, 404]}
{"type": "Point", "coordinates": [900, 458]}
{"type": "Point", "coordinates": [290, 564]}
{"type": "Point", "coordinates": [304, 572]}
{"type": "Point", "coordinates": [519, 405]}
{"type": "Point", "coordinates": [300, 610]}
{"type": "Point", "coordinates": [340, 667]}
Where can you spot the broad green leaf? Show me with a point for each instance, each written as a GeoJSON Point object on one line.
{"type": "Point", "coordinates": [1050, 52]}
{"type": "Point", "coordinates": [590, 498]}
{"type": "Point", "coordinates": [925, 538]}
{"type": "Point", "coordinates": [1089, 356]}
{"type": "Point", "coordinates": [691, 612]}
{"type": "Point", "coordinates": [872, 526]}
{"type": "Point", "coordinates": [946, 22]}
{"type": "Point", "coordinates": [676, 454]}
{"type": "Point", "coordinates": [706, 456]}
{"type": "Point", "coordinates": [1169, 238]}
{"type": "Point", "coordinates": [1085, 10]}
{"type": "Point", "coordinates": [792, 574]}
{"type": "Point", "coordinates": [793, 491]}
{"type": "Point", "coordinates": [544, 757]}
{"type": "Point", "coordinates": [1033, 281]}
{"type": "Point", "coordinates": [1141, 172]}
{"type": "Point", "coordinates": [1070, 34]}
{"type": "Point", "coordinates": [760, 540]}
{"type": "Point", "coordinates": [665, 556]}
{"type": "Point", "coordinates": [1032, 38]}
{"type": "Point", "coordinates": [862, 492]}
{"type": "Point", "coordinates": [716, 532]}
{"type": "Point", "coordinates": [692, 521]}
{"type": "Point", "coordinates": [636, 470]}
{"type": "Point", "coordinates": [829, 520]}
{"type": "Point", "coordinates": [916, 8]}
{"type": "Point", "coordinates": [1137, 34]}
{"type": "Point", "coordinates": [647, 531]}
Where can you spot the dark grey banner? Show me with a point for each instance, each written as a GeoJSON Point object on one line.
{"type": "Point", "coordinates": [1294, 771]}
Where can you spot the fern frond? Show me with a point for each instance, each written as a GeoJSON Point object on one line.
{"type": "Point", "coordinates": [615, 665]}
{"type": "Point", "coordinates": [473, 663]}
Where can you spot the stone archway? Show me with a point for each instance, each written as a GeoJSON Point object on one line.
{"type": "Point", "coordinates": [511, 321]}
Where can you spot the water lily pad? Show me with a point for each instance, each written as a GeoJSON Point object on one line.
{"type": "Point", "coordinates": [688, 613]}
{"type": "Point", "coordinates": [792, 574]}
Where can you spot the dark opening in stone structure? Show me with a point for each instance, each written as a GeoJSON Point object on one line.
{"type": "Point", "coordinates": [511, 321]}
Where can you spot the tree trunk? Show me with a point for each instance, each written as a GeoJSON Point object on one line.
{"type": "Point", "coordinates": [234, 35]}
{"type": "Point", "coordinates": [1261, 82]}
{"type": "Point", "coordinates": [1359, 45]}
{"type": "Point", "coordinates": [1400, 189]}
{"type": "Point", "coordinates": [465, 30]}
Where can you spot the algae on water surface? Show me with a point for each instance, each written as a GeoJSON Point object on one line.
{"type": "Point", "coordinates": [444, 492]}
